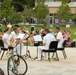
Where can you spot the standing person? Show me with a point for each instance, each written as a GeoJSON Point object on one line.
{"type": "Point", "coordinates": [7, 37]}
{"type": "Point", "coordinates": [59, 37]}
{"type": "Point", "coordinates": [47, 39]}
{"type": "Point", "coordinates": [15, 34]}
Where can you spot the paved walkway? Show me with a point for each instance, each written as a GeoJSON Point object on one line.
{"type": "Point", "coordinates": [61, 67]}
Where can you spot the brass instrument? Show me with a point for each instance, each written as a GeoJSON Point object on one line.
{"type": "Point", "coordinates": [12, 44]}
{"type": "Point", "coordinates": [18, 41]}
{"type": "Point", "coordinates": [15, 41]}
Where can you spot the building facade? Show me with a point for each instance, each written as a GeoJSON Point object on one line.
{"type": "Point", "coordinates": [53, 7]}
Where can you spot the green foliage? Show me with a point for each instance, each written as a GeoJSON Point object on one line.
{"type": "Point", "coordinates": [8, 12]}
{"type": "Point", "coordinates": [20, 4]}
{"type": "Point", "coordinates": [74, 18]}
{"type": "Point", "coordinates": [6, 7]}
{"type": "Point", "coordinates": [27, 13]}
{"type": "Point", "coordinates": [64, 12]}
{"type": "Point", "coordinates": [41, 11]}
{"type": "Point", "coordinates": [64, 1]}
{"type": "Point", "coordinates": [15, 17]}
{"type": "Point", "coordinates": [30, 3]}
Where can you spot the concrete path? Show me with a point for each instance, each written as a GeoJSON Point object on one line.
{"type": "Point", "coordinates": [61, 67]}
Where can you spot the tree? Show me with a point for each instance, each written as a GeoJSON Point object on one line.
{"type": "Point", "coordinates": [20, 4]}
{"type": "Point", "coordinates": [27, 13]}
{"type": "Point", "coordinates": [41, 11]}
{"type": "Point", "coordinates": [9, 13]}
{"type": "Point", "coordinates": [64, 1]}
{"type": "Point", "coordinates": [74, 19]}
{"type": "Point", "coordinates": [64, 12]}
{"type": "Point", "coordinates": [6, 9]}
{"type": "Point", "coordinates": [30, 3]}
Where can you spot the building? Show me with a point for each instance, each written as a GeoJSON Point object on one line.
{"type": "Point", "coordinates": [53, 6]}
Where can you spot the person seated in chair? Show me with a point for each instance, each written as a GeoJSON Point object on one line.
{"type": "Point", "coordinates": [47, 39]}
{"type": "Point", "coordinates": [31, 40]}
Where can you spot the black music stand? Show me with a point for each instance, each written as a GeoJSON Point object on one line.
{"type": "Point", "coordinates": [27, 55]}
{"type": "Point", "coordinates": [37, 40]}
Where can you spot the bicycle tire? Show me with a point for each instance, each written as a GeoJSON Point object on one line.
{"type": "Point", "coordinates": [8, 65]}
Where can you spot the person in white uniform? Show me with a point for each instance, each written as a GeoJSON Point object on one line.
{"type": "Point", "coordinates": [59, 37]}
{"type": "Point", "coordinates": [20, 46]}
{"type": "Point", "coordinates": [47, 39]}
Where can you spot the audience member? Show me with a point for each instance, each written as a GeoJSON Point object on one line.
{"type": "Point", "coordinates": [68, 38]}
{"type": "Point", "coordinates": [7, 37]}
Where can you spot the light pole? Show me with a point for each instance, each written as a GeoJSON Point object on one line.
{"type": "Point", "coordinates": [33, 15]}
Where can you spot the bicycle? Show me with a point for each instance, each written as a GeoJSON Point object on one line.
{"type": "Point", "coordinates": [16, 64]}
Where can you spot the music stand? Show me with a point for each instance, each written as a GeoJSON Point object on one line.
{"type": "Point", "coordinates": [37, 39]}
{"type": "Point", "coordinates": [27, 51]}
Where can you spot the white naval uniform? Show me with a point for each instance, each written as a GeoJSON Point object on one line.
{"type": "Point", "coordinates": [48, 38]}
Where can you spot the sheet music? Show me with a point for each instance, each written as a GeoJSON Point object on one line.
{"type": "Point", "coordinates": [37, 38]}
{"type": "Point", "coordinates": [20, 36]}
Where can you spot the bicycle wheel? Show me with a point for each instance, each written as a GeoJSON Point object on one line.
{"type": "Point", "coordinates": [18, 67]}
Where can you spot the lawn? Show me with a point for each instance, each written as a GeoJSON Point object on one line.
{"type": "Point", "coordinates": [72, 29]}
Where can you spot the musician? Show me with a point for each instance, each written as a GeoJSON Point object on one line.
{"type": "Point", "coordinates": [31, 40]}
{"type": "Point", "coordinates": [20, 45]}
{"type": "Point", "coordinates": [46, 41]}
{"type": "Point", "coordinates": [16, 31]}
{"type": "Point", "coordinates": [59, 37]}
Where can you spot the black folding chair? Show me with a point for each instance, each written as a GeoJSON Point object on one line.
{"type": "Point", "coordinates": [2, 48]}
{"type": "Point", "coordinates": [63, 49]}
{"type": "Point", "coordinates": [52, 49]}
{"type": "Point", "coordinates": [37, 44]}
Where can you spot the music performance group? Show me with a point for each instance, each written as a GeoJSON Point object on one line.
{"type": "Point", "coordinates": [10, 39]}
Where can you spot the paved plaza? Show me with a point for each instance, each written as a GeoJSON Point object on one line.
{"type": "Point", "coordinates": [61, 67]}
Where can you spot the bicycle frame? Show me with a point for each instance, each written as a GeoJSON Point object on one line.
{"type": "Point", "coordinates": [12, 56]}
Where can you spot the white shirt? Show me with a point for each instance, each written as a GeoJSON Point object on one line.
{"type": "Point", "coordinates": [14, 34]}
{"type": "Point", "coordinates": [20, 46]}
{"type": "Point", "coordinates": [8, 38]}
{"type": "Point", "coordinates": [47, 39]}
{"type": "Point", "coordinates": [60, 37]}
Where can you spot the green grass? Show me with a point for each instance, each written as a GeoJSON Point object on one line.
{"type": "Point", "coordinates": [72, 29]}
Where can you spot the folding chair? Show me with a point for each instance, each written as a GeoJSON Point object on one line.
{"type": "Point", "coordinates": [2, 48]}
{"type": "Point", "coordinates": [37, 44]}
{"type": "Point", "coordinates": [52, 49]}
{"type": "Point", "coordinates": [63, 49]}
